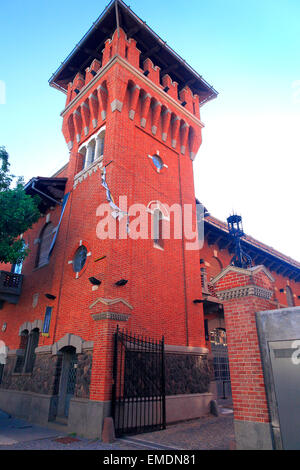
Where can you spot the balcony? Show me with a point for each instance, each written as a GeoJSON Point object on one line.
{"type": "Point", "coordinates": [10, 287]}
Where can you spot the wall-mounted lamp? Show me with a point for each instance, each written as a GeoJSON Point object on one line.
{"type": "Point", "coordinates": [94, 281]}
{"type": "Point", "coordinates": [198, 301]}
{"type": "Point", "coordinates": [121, 282]}
{"type": "Point", "coordinates": [50, 296]}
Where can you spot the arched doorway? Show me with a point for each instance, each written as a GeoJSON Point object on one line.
{"type": "Point", "coordinates": [66, 379]}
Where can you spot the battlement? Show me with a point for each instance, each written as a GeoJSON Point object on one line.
{"type": "Point", "coordinates": [121, 82]}
{"type": "Point", "coordinates": [120, 45]}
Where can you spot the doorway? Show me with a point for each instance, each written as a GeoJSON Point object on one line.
{"type": "Point", "coordinates": [218, 342]}
{"type": "Point", "coordinates": [67, 381]}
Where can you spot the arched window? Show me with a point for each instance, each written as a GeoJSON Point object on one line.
{"type": "Point", "coordinates": [23, 347]}
{"type": "Point", "coordinates": [215, 267]}
{"type": "Point", "coordinates": [158, 228]}
{"type": "Point", "coordinates": [100, 144]}
{"type": "Point", "coordinates": [289, 297]}
{"type": "Point", "coordinates": [26, 358]}
{"type": "Point", "coordinates": [33, 342]}
{"type": "Point", "coordinates": [45, 241]}
{"type": "Point", "coordinates": [91, 150]}
{"type": "Point", "coordinates": [81, 159]}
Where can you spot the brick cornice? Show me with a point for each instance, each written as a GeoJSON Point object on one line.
{"type": "Point", "coordinates": [110, 316]}
{"type": "Point", "coordinates": [244, 291]}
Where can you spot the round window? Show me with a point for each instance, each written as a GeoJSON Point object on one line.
{"type": "Point", "coordinates": [157, 162]}
{"type": "Point", "coordinates": [79, 259]}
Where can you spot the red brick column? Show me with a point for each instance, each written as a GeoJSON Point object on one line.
{"type": "Point", "coordinates": [103, 354]}
{"type": "Point", "coordinates": [244, 292]}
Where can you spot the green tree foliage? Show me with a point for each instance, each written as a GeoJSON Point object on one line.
{"type": "Point", "coordinates": [18, 212]}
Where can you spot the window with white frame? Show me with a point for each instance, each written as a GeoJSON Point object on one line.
{"type": "Point", "coordinates": [160, 220]}
{"type": "Point", "coordinates": [92, 149]}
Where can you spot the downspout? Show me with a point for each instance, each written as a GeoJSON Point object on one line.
{"type": "Point", "coordinates": [63, 268]}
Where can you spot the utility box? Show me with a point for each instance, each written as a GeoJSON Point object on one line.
{"type": "Point", "coordinates": [279, 335]}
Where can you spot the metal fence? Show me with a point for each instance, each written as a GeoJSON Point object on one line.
{"type": "Point", "coordinates": [138, 397]}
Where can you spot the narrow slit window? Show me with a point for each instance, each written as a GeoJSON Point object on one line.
{"type": "Point", "coordinates": [158, 228]}
{"type": "Point", "coordinates": [30, 353]}
{"type": "Point", "coordinates": [23, 347]}
{"type": "Point", "coordinates": [44, 245]}
{"type": "Point", "coordinates": [289, 297]}
{"type": "Point", "coordinates": [47, 320]}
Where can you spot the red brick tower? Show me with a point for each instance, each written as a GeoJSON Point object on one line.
{"type": "Point", "coordinates": [143, 112]}
{"type": "Point", "coordinates": [132, 125]}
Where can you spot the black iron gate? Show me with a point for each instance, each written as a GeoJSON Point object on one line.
{"type": "Point", "coordinates": [71, 382]}
{"type": "Point", "coordinates": [219, 351]}
{"type": "Point", "coordinates": [138, 396]}
{"type": "Point", "coordinates": [221, 369]}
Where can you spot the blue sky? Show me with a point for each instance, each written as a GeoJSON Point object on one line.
{"type": "Point", "coordinates": [248, 50]}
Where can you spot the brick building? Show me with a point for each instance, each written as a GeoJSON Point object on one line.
{"type": "Point", "coordinates": [215, 256]}
{"type": "Point", "coordinates": [132, 126]}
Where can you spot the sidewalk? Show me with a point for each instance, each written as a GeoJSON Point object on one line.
{"type": "Point", "coordinates": [207, 433]}
{"type": "Point", "coordinates": [17, 434]}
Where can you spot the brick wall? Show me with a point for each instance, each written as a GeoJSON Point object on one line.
{"type": "Point", "coordinates": [247, 380]}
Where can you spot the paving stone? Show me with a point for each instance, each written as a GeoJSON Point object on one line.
{"type": "Point", "coordinates": [206, 433]}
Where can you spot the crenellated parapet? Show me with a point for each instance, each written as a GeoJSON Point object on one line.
{"type": "Point", "coordinates": [120, 45]}
{"type": "Point", "coordinates": [122, 83]}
